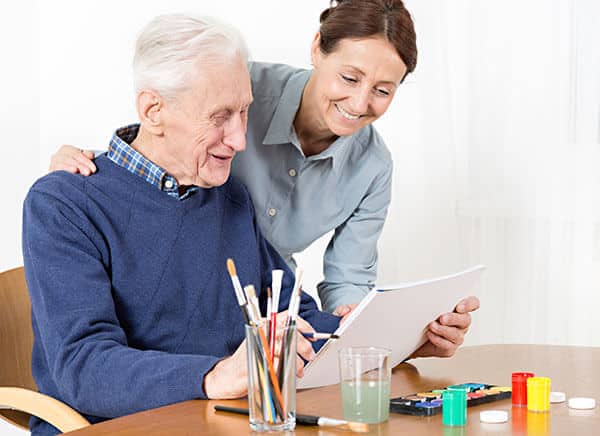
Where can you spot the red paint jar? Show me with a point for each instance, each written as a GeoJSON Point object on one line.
{"type": "Point", "coordinates": [519, 388]}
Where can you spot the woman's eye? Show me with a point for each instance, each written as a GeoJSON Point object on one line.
{"type": "Point", "coordinates": [349, 79]}
{"type": "Point", "coordinates": [383, 92]}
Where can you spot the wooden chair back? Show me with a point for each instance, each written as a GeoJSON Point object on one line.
{"type": "Point", "coordinates": [16, 339]}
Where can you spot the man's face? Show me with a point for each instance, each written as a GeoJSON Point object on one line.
{"type": "Point", "coordinates": [206, 125]}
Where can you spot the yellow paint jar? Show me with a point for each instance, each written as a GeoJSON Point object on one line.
{"type": "Point", "coordinates": [538, 394]}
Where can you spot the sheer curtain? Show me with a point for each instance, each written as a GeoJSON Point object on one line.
{"type": "Point", "coordinates": [496, 142]}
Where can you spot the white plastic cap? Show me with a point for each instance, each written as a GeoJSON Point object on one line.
{"type": "Point", "coordinates": [493, 416]}
{"type": "Point", "coordinates": [582, 403]}
{"type": "Point", "coordinates": [557, 397]}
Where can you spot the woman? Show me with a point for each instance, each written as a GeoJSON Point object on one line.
{"type": "Point", "coordinates": [314, 162]}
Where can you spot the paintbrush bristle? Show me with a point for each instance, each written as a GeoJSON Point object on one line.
{"type": "Point", "coordinates": [231, 267]}
{"type": "Point", "coordinates": [356, 427]}
{"type": "Point", "coordinates": [340, 424]}
{"type": "Point", "coordinates": [250, 291]}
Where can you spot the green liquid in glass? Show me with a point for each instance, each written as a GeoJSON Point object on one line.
{"type": "Point", "coordinates": [366, 401]}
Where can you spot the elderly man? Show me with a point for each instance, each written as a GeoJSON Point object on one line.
{"type": "Point", "coordinates": [132, 305]}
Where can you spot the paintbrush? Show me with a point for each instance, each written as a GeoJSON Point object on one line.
{"type": "Point", "coordinates": [253, 304]}
{"type": "Point", "coordinates": [321, 421]}
{"type": "Point", "coordinates": [286, 340]}
{"type": "Point", "coordinates": [276, 278]}
{"type": "Point", "coordinates": [268, 323]}
{"type": "Point", "coordinates": [325, 336]}
{"type": "Point", "coordinates": [239, 292]}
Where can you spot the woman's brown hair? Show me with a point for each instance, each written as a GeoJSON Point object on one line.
{"type": "Point", "coordinates": [367, 18]}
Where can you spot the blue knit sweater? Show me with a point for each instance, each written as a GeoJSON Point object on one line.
{"type": "Point", "coordinates": [131, 301]}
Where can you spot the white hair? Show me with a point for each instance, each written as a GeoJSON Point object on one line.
{"type": "Point", "coordinates": [170, 48]}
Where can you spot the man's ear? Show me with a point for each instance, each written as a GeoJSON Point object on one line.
{"type": "Point", "coordinates": [150, 108]}
{"type": "Point", "coordinates": [315, 50]}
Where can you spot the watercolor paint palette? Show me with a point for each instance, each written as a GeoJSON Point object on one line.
{"type": "Point", "coordinates": [430, 403]}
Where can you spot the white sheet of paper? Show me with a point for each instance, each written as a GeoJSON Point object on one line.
{"type": "Point", "coordinates": [393, 317]}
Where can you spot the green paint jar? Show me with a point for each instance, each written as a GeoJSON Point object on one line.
{"type": "Point", "coordinates": [454, 407]}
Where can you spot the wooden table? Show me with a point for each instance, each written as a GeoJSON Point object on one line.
{"type": "Point", "coordinates": [574, 370]}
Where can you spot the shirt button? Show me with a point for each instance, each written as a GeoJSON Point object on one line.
{"type": "Point", "coordinates": [292, 172]}
{"type": "Point", "coordinates": [168, 184]}
{"type": "Point", "coordinates": [272, 212]}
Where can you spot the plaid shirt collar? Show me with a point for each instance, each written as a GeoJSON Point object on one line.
{"type": "Point", "coordinates": [121, 153]}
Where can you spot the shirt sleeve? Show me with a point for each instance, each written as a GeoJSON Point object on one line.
{"type": "Point", "coordinates": [350, 261]}
{"type": "Point", "coordinates": [84, 346]}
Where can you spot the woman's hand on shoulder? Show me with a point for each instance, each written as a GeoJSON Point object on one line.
{"type": "Point", "coordinates": [73, 160]}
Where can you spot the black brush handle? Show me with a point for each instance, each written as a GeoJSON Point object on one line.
{"type": "Point", "coordinates": [300, 419]}
{"type": "Point", "coordinates": [307, 420]}
{"type": "Point", "coordinates": [237, 410]}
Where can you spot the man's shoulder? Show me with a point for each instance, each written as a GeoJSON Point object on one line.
{"type": "Point", "coordinates": [65, 184]}
{"type": "Point", "coordinates": [59, 184]}
{"type": "Point", "coordinates": [269, 79]}
{"type": "Point", "coordinates": [76, 190]}
{"type": "Point", "coordinates": [56, 198]}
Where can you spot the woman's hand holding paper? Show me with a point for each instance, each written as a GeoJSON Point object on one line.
{"type": "Point", "coordinates": [447, 333]}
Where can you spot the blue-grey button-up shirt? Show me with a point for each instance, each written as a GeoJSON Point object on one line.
{"type": "Point", "coordinates": [346, 188]}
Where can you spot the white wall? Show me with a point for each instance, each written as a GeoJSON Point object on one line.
{"type": "Point", "coordinates": [495, 138]}
{"type": "Point", "coordinates": [19, 122]}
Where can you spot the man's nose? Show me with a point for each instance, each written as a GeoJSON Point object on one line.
{"type": "Point", "coordinates": [235, 133]}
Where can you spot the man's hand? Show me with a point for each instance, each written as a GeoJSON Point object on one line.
{"type": "Point", "coordinates": [447, 333]}
{"type": "Point", "coordinates": [73, 160]}
{"type": "Point", "coordinates": [229, 378]}
{"type": "Point", "coordinates": [304, 348]}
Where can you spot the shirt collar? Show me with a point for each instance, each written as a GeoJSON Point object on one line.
{"type": "Point", "coordinates": [281, 129]}
{"type": "Point", "coordinates": [336, 152]}
{"type": "Point", "coordinates": [282, 124]}
{"type": "Point", "coordinates": [123, 154]}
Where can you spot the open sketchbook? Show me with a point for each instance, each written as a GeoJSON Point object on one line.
{"type": "Point", "coordinates": [393, 317]}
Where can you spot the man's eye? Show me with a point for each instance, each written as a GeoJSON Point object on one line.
{"type": "Point", "coordinates": [219, 121]}
{"type": "Point", "coordinates": [221, 117]}
{"type": "Point", "coordinates": [349, 79]}
{"type": "Point", "coordinates": [383, 92]}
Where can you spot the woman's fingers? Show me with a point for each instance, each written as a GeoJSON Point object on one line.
{"type": "Point", "coordinates": [73, 160]}
{"type": "Point", "coordinates": [85, 165]}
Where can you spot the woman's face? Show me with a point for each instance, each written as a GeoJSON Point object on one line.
{"type": "Point", "coordinates": [355, 83]}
